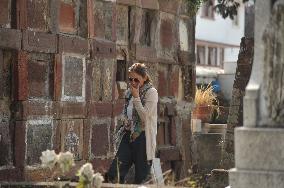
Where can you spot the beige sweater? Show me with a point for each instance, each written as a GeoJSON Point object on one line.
{"type": "Point", "coordinates": [148, 115]}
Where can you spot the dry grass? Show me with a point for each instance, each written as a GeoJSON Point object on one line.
{"type": "Point", "coordinates": [205, 96]}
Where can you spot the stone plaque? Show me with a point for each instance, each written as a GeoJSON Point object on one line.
{"type": "Point", "coordinates": [72, 137]}
{"type": "Point", "coordinates": [100, 139]}
{"type": "Point", "coordinates": [39, 135]}
{"type": "Point", "coordinates": [73, 78]}
{"type": "Point", "coordinates": [38, 15]}
{"type": "Point", "coordinates": [5, 143]}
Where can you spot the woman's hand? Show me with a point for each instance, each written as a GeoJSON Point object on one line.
{"type": "Point", "coordinates": [134, 91]}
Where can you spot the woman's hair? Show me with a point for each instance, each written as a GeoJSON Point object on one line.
{"type": "Point", "coordinates": [141, 69]}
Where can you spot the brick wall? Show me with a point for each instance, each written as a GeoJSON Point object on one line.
{"type": "Point", "coordinates": [59, 89]}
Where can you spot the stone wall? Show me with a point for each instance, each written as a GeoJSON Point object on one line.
{"type": "Point", "coordinates": [61, 67]}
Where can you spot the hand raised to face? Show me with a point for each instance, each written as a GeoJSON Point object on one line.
{"type": "Point", "coordinates": [134, 90]}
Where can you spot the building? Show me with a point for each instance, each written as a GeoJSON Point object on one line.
{"type": "Point", "coordinates": [217, 46]}
{"type": "Point", "coordinates": [63, 65]}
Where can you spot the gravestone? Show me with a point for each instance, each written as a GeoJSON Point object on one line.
{"type": "Point", "coordinates": [259, 144]}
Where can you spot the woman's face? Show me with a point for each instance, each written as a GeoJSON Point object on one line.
{"type": "Point", "coordinates": [136, 80]}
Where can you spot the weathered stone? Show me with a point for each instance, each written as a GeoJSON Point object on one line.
{"type": "Point", "coordinates": [100, 137]}
{"type": "Point", "coordinates": [169, 6]}
{"type": "Point", "coordinates": [10, 38]}
{"type": "Point", "coordinates": [148, 4]}
{"type": "Point", "coordinates": [38, 138]}
{"type": "Point", "coordinates": [72, 137]}
{"type": "Point", "coordinates": [169, 154]}
{"type": "Point", "coordinates": [240, 178]}
{"type": "Point", "coordinates": [5, 13]}
{"type": "Point", "coordinates": [40, 74]}
{"type": "Point", "coordinates": [73, 45]}
{"type": "Point", "coordinates": [209, 150]}
{"type": "Point", "coordinates": [255, 143]}
{"type": "Point", "coordinates": [73, 110]}
{"type": "Point", "coordinates": [39, 42]}
{"type": "Point", "coordinates": [103, 19]}
{"type": "Point", "coordinates": [73, 78]}
{"type": "Point", "coordinates": [67, 17]}
{"type": "Point", "coordinates": [103, 49]}
{"type": "Point", "coordinates": [37, 15]}
{"type": "Point", "coordinates": [5, 143]}
{"type": "Point", "coordinates": [122, 20]}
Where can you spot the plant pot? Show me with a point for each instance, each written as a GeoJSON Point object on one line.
{"type": "Point", "coordinates": [202, 112]}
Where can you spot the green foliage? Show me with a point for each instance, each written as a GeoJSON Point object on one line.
{"type": "Point", "coordinates": [193, 6]}
{"type": "Point", "coordinates": [226, 8]}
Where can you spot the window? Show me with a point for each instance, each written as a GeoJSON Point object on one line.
{"type": "Point", "coordinates": [121, 70]}
{"type": "Point", "coordinates": [212, 56]}
{"type": "Point", "coordinates": [209, 55]}
{"type": "Point", "coordinates": [207, 10]}
{"type": "Point", "coordinates": [201, 55]}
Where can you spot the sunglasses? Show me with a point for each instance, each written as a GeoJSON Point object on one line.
{"type": "Point", "coordinates": [133, 79]}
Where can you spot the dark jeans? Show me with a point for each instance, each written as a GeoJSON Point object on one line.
{"type": "Point", "coordinates": [130, 153]}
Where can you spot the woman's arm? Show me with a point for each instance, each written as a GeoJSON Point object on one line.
{"type": "Point", "coordinates": [151, 100]}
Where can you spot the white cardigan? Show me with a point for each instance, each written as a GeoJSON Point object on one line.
{"type": "Point", "coordinates": [148, 115]}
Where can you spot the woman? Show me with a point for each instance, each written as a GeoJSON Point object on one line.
{"type": "Point", "coordinates": [137, 137]}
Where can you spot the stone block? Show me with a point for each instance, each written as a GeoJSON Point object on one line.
{"type": "Point", "coordinates": [22, 76]}
{"type": "Point", "coordinates": [36, 108]}
{"type": "Point", "coordinates": [72, 137]}
{"type": "Point", "coordinates": [7, 58]}
{"type": "Point", "coordinates": [99, 109]}
{"type": "Point", "coordinates": [118, 107]}
{"type": "Point", "coordinates": [67, 17]}
{"type": "Point", "coordinates": [126, 2]}
{"type": "Point", "coordinates": [254, 151]}
{"type": "Point", "coordinates": [40, 77]}
{"type": "Point", "coordinates": [57, 77]}
{"type": "Point", "coordinates": [39, 42]}
{"type": "Point", "coordinates": [167, 33]}
{"type": "Point", "coordinates": [167, 48]}
{"type": "Point", "coordinates": [209, 150]}
{"type": "Point", "coordinates": [5, 13]}
{"type": "Point", "coordinates": [100, 143]}
{"type": "Point", "coordinates": [163, 82]}
{"type": "Point", "coordinates": [108, 79]}
{"type": "Point", "coordinates": [122, 20]}
{"type": "Point", "coordinates": [169, 6]}
{"type": "Point", "coordinates": [73, 78]}
{"type": "Point", "coordinates": [146, 54]}
{"type": "Point", "coordinates": [240, 178]}
{"type": "Point", "coordinates": [37, 15]}
{"type": "Point", "coordinates": [73, 45]}
{"type": "Point", "coordinates": [169, 154]}
{"type": "Point", "coordinates": [73, 110]}
{"type": "Point", "coordinates": [148, 4]}
{"type": "Point", "coordinates": [174, 76]}
{"type": "Point", "coordinates": [10, 38]}
{"type": "Point", "coordinates": [102, 166]}
{"type": "Point", "coordinates": [183, 35]}
{"type": "Point", "coordinates": [6, 146]}
{"type": "Point", "coordinates": [103, 49]}
{"type": "Point", "coordinates": [104, 19]}
{"type": "Point", "coordinates": [38, 138]}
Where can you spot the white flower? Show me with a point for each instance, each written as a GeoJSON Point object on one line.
{"type": "Point", "coordinates": [86, 173]}
{"type": "Point", "coordinates": [98, 180]}
{"type": "Point", "coordinates": [48, 158]}
{"type": "Point", "coordinates": [66, 161]}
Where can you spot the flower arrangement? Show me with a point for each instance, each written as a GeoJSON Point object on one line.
{"type": "Point", "coordinates": [206, 103]}
{"type": "Point", "coordinates": [65, 160]}
{"type": "Point", "coordinates": [204, 96]}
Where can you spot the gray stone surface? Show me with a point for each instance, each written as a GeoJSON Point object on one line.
{"type": "Point", "coordinates": [259, 148]}
{"type": "Point", "coordinates": [260, 179]}
{"type": "Point", "coordinates": [208, 150]}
